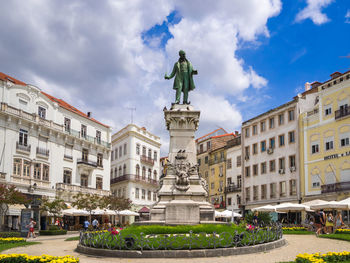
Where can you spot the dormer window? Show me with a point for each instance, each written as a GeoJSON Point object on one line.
{"type": "Point", "coordinates": [42, 112]}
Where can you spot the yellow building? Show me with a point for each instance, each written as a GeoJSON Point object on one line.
{"type": "Point", "coordinates": [324, 127]}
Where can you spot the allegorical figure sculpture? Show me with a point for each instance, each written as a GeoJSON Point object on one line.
{"type": "Point", "coordinates": [183, 72]}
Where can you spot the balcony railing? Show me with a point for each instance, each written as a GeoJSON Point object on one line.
{"type": "Point", "coordinates": [343, 112]}
{"type": "Point", "coordinates": [232, 188]}
{"type": "Point", "coordinates": [336, 187]}
{"type": "Point", "coordinates": [220, 160]}
{"type": "Point", "coordinates": [147, 160]}
{"type": "Point", "coordinates": [133, 177]}
{"type": "Point", "coordinates": [220, 205]}
{"type": "Point", "coordinates": [87, 162]}
{"type": "Point", "coordinates": [21, 147]}
{"type": "Point", "coordinates": [77, 188]}
{"type": "Point", "coordinates": [42, 151]}
{"type": "Point", "coordinates": [66, 156]}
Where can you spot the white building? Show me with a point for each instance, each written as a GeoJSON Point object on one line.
{"type": "Point", "coordinates": [233, 189]}
{"type": "Point", "coordinates": [135, 165]}
{"type": "Point", "coordinates": [48, 147]}
{"type": "Point", "coordinates": [270, 149]}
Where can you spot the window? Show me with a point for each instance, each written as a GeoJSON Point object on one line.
{"type": "Point", "coordinates": [229, 181]}
{"type": "Point", "coordinates": [239, 161]}
{"type": "Point", "coordinates": [239, 181]}
{"type": "Point", "coordinates": [124, 169]}
{"type": "Point", "coordinates": [263, 146]}
{"type": "Point", "coordinates": [84, 180]}
{"type": "Point", "coordinates": [229, 163]}
{"type": "Point", "coordinates": [67, 124]}
{"type": "Point", "coordinates": [46, 170]}
{"type": "Point", "coordinates": [292, 161]}
{"type": "Point", "coordinates": [116, 153]}
{"type": "Point", "coordinates": [221, 170]}
{"type": "Point", "coordinates": [255, 148]}
{"type": "Point", "coordinates": [120, 171]}
{"type": "Point", "coordinates": [143, 194]}
{"type": "Point", "coordinates": [99, 183]}
{"type": "Point", "coordinates": [329, 143]}
{"type": "Point", "coordinates": [23, 137]}
{"type": "Point", "coordinates": [247, 151]}
{"type": "Point", "coordinates": [212, 171]}
{"type": "Point", "coordinates": [125, 149]}
{"type": "Point", "coordinates": [149, 195]}
{"type": "Point", "coordinates": [115, 172]}
{"type": "Point", "coordinates": [314, 148]}
{"type": "Point", "coordinates": [272, 165]}
{"type": "Point", "coordinates": [328, 110]}
{"type": "Point", "coordinates": [138, 149]}
{"type": "Point", "coordinates": [272, 123]}
{"type": "Point", "coordinates": [67, 176]}
{"type": "Point", "coordinates": [112, 155]}
{"type": "Point", "coordinates": [283, 189]}
{"type": "Point", "coordinates": [155, 175]}
{"type": "Point", "coordinates": [212, 186]}
{"type": "Point", "coordinates": [100, 160]}
{"type": "Point", "coordinates": [26, 168]}
{"type": "Point", "coordinates": [154, 196]}
{"type": "Point", "coordinates": [229, 201]}
{"type": "Point", "coordinates": [144, 150]}
{"type": "Point", "coordinates": [137, 170]}
{"type": "Point", "coordinates": [272, 143]}
{"type": "Point", "coordinates": [208, 145]}
{"type": "Point", "coordinates": [149, 153]}
{"type": "Point", "coordinates": [291, 137]}
{"type": "Point", "coordinates": [247, 193]}
{"type": "Point", "coordinates": [111, 174]}
{"type": "Point", "coordinates": [215, 157]}
{"type": "Point", "coordinates": [137, 193]}
{"type": "Point", "coordinates": [263, 168]}
{"type": "Point", "coordinates": [84, 154]}
{"type": "Point", "coordinates": [143, 173]}
{"type": "Point", "coordinates": [255, 192]}
{"type": "Point", "coordinates": [222, 156]}
{"type": "Point", "coordinates": [255, 129]}
{"type": "Point", "coordinates": [247, 171]}
{"type": "Point", "coordinates": [120, 151]}
{"type": "Point", "coordinates": [344, 142]}
{"type": "Point", "coordinates": [273, 189]}
{"type": "Point", "coordinates": [281, 119]}
{"type": "Point", "coordinates": [37, 171]}
{"type": "Point", "coordinates": [98, 137]}
{"type": "Point", "coordinates": [206, 159]}
{"type": "Point", "coordinates": [263, 191]}
{"type": "Point", "coordinates": [255, 169]}
{"type": "Point", "coordinates": [83, 131]}
{"type": "Point", "coordinates": [246, 132]}
{"type": "Point", "coordinates": [291, 115]}
{"type": "Point", "coordinates": [281, 140]}
{"type": "Point", "coordinates": [292, 187]}
{"type": "Point", "coordinates": [155, 156]}
{"type": "Point", "coordinates": [42, 112]}
{"type": "Point", "coordinates": [262, 126]}
{"type": "Point", "coordinates": [17, 166]}
{"type": "Point", "coordinates": [149, 174]}
{"type": "Point", "coordinates": [199, 161]}
{"type": "Point", "coordinates": [281, 163]}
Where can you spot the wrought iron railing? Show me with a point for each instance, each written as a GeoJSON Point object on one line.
{"type": "Point", "coordinates": [42, 151]}
{"type": "Point", "coordinates": [87, 162]}
{"type": "Point", "coordinates": [146, 160]}
{"type": "Point", "coordinates": [345, 111]}
{"type": "Point", "coordinates": [231, 188]}
{"type": "Point", "coordinates": [336, 187]}
{"type": "Point", "coordinates": [133, 177]}
{"type": "Point", "coordinates": [22, 147]}
{"type": "Point", "coordinates": [106, 240]}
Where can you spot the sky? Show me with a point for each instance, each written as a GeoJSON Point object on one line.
{"type": "Point", "coordinates": [107, 57]}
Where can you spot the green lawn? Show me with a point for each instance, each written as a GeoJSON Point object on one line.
{"type": "Point", "coordinates": [298, 232]}
{"type": "Point", "coordinates": [19, 244]}
{"type": "Point", "coordinates": [345, 237]}
{"type": "Point", "coordinates": [72, 238]}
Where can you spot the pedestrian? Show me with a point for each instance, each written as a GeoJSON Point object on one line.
{"type": "Point", "coordinates": [323, 220]}
{"type": "Point", "coordinates": [255, 218]}
{"type": "Point", "coordinates": [318, 222]}
{"type": "Point", "coordinates": [31, 226]}
{"type": "Point", "coordinates": [95, 224]}
{"type": "Point", "coordinates": [86, 224]}
{"type": "Point", "coordinates": [338, 220]}
{"type": "Point", "coordinates": [329, 223]}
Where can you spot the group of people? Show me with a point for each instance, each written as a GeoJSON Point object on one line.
{"type": "Point", "coordinates": [326, 222]}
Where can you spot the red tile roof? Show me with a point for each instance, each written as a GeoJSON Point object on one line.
{"type": "Point", "coordinates": [60, 102]}
{"type": "Point", "coordinates": [223, 135]}
{"type": "Point", "coordinates": [209, 134]}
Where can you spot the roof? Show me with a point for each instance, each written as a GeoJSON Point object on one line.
{"type": "Point", "coordinates": [217, 131]}
{"type": "Point", "coordinates": [223, 135]}
{"type": "Point", "coordinates": [60, 102]}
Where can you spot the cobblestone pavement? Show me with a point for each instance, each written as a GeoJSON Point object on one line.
{"type": "Point", "coordinates": [296, 244]}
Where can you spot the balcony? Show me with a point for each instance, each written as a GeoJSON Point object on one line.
{"type": "Point", "coordinates": [343, 112]}
{"type": "Point", "coordinates": [42, 152]}
{"type": "Point", "coordinates": [336, 187]}
{"type": "Point", "coordinates": [231, 188]}
{"type": "Point", "coordinates": [95, 140]}
{"type": "Point", "coordinates": [23, 148]}
{"type": "Point", "coordinates": [86, 163]}
{"type": "Point", "coordinates": [68, 157]}
{"type": "Point", "coordinates": [135, 178]}
{"type": "Point", "coordinates": [77, 189]}
{"type": "Point", "coordinates": [220, 160]}
{"type": "Point", "coordinates": [146, 160]}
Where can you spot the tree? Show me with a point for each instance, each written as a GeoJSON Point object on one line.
{"type": "Point", "coordinates": [9, 195]}
{"type": "Point", "coordinates": [53, 206]}
{"type": "Point", "coordinates": [89, 202]}
{"type": "Point", "coordinates": [115, 203]}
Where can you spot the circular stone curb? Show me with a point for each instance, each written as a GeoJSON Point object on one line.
{"type": "Point", "coordinates": [195, 253]}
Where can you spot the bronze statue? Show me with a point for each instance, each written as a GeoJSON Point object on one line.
{"type": "Point", "coordinates": [183, 72]}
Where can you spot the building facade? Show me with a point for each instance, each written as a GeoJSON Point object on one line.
{"type": "Point", "coordinates": [324, 136]}
{"type": "Point", "coordinates": [270, 166]}
{"type": "Point", "coordinates": [135, 166]}
{"type": "Point", "coordinates": [233, 189]}
{"type": "Point", "coordinates": [48, 147]}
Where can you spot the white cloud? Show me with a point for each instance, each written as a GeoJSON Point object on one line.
{"type": "Point", "coordinates": [313, 11]}
{"type": "Point", "coordinates": [347, 17]}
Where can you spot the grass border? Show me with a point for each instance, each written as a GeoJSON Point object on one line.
{"type": "Point", "coordinates": [72, 238]}
{"type": "Point", "coordinates": [7, 246]}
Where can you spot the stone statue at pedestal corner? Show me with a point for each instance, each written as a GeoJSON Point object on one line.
{"type": "Point", "coordinates": [183, 72]}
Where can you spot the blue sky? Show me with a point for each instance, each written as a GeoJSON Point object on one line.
{"type": "Point", "coordinates": [105, 57]}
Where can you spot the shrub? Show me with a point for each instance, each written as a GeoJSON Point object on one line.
{"type": "Point", "coordinates": [264, 218]}
{"type": "Point", "coordinates": [52, 232]}
{"type": "Point", "coordinates": [53, 227]}
{"type": "Point", "coordinates": [24, 258]}
{"type": "Point", "coordinates": [10, 234]}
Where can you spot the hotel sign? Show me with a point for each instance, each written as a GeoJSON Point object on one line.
{"type": "Point", "coordinates": [337, 155]}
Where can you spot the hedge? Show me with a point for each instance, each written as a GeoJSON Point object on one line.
{"type": "Point", "coordinates": [52, 232]}
{"type": "Point", "coordinates": [10, 234]}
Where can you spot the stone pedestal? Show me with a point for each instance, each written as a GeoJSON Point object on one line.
{"type": "Point", "coordinates": [182, 193]}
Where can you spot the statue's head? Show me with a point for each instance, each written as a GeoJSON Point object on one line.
{"type": "Point", "coordinates": [182, 54]}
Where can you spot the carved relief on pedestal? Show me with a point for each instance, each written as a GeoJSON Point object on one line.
{"type": "Point", "coordinates": [181, 122]}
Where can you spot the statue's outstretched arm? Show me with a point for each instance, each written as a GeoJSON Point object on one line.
{"type": "Point", "coordinates": [172, 73]}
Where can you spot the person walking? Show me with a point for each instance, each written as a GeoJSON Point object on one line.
{"type": "Point", "coordinates": [86, 224]}
{"type": "Point", "coordinates": [338, 220]}
{"type": "Point", "coordinates": [318, 222]}
{"type": "Point", "coordinates": [329, 223]}
{"type": "Point", "coordinates": [31, 226]}
{"type": "Point", "coordinates": [95, 224]}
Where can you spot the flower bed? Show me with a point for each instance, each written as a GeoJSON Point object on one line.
{"type": "Point", "coordinates": [342, 231]}
{"type": "Point", "coordinates": [10, 234]}
{"type": "Point", "coordinates": [7, 240]}
{"type": "Point", "coordinates": [320, 258]}
{"type": "Point", "coordinates": [294, 228]}
{"type": "Point", "coordinates": [24, 258]}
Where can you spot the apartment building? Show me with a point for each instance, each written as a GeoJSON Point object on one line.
{"type": "Point", "coordinates": [270, 166]}
{"type": "Point", "coordinates": [324, 136]}
{"type": "Point", "coordinates": [135, 165]}
{"type": "Point", "coordinates": [233, 187]}
{"type": "Point", "coordinates": [48, 147]}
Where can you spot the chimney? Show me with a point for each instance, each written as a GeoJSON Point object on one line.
{"type": "Point", "coordinates": [89, 114]}
{"type": "Point", "coordinates": [307, 86]}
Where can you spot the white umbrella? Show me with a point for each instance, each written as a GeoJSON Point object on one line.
{"type": "Point", "coordinates": [103, 212]}
{"type": "Point", "coordinates": [314, 202]}
{"type": "Point", "coordinates": [228, 213]}
{"type": "Point", "coordinates": [75, 212]}
{"type": "Point", "coordinates": [290, 207]}
{"type": "Point", "coordinates": [127, 213]}
{"type": "Point", "coordinates": [218, 214]}
{"type": "Point", "coordinates": [346, 201]}
{"type": "Point", "coordinates": [331, 205]}
{"type": "Point", "coordinates": [265, 208]}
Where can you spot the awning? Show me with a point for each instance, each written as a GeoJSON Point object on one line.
{"type": "Point", "coordinates": [144, 210]}
{"type": "Point", "coordinates": [15, 210]}
{"type": "Point", "coordinates": [127, 213]}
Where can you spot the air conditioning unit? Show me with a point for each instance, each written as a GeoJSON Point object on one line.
{"type": "Point", "coordinates": [281, 171]}
{"type": "Point", "coordinates": [270, 150]}
{"type": "Point", "coordinates": [221, 175]}
{"type": "Point", "coordinates": [293, 169]}
{"type": "Point", "coordinates": [246, 157]}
